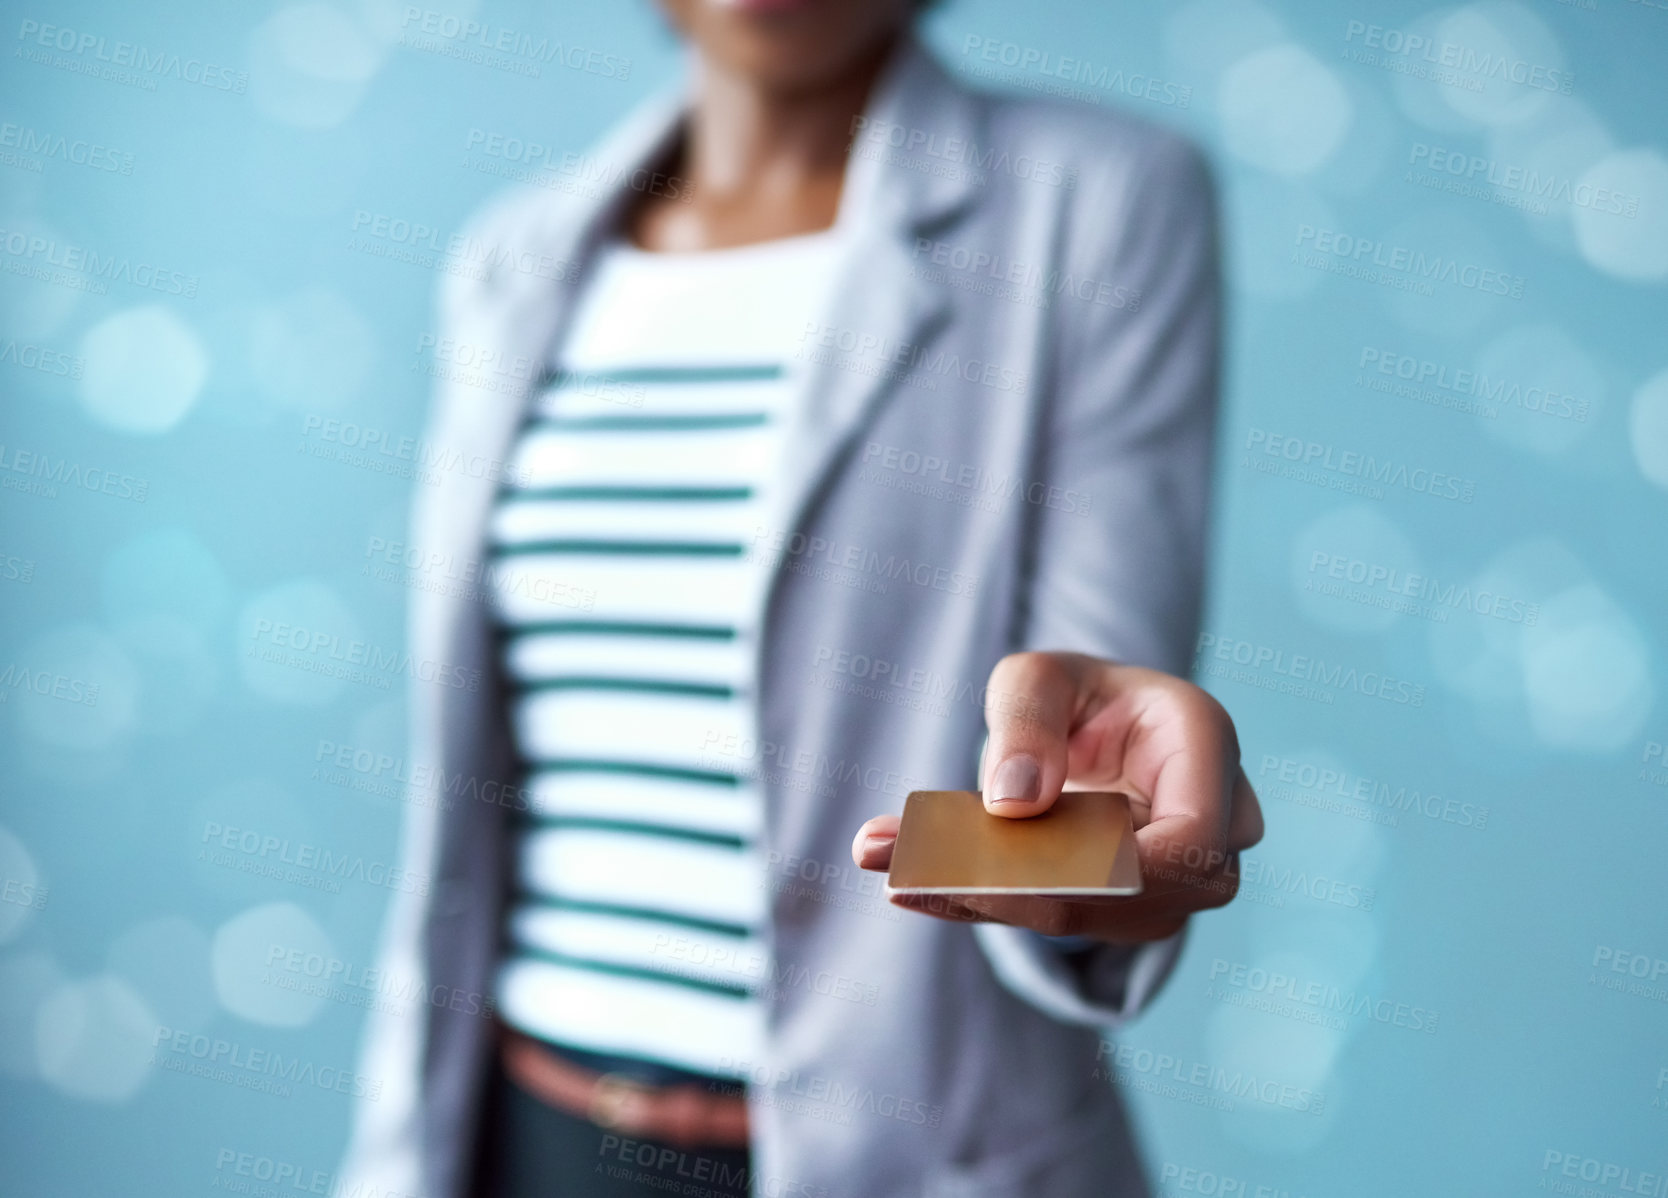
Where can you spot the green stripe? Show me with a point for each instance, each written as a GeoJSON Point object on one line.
{"type": "Point", "coordinates": [654, 424]}
{"type": "Point", "coordinates": [626, 548]}
{"type": "Point", "coordinates": [646, 769]}
{"type": "Point", "coordinates": [629, 971]}
{"type": "Point", "coordinates": [708, 632]}
{"type": "Point", "coordinates": [733, 373]}
{"type": "Point", "coordinates": [656, 686]}
{"type": "Point", "coordinates": [636, 494]}
{"type": "Point", "coordinates": [597, 823]}
{"type": "Point", "coordinates": [525, 897]}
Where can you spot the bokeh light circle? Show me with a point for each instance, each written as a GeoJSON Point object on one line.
{"type": "Point", "coordinates": [247, 963]}
{"type": "Point", "coordinates": [145, 368]}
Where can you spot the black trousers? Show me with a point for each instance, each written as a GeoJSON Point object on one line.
{"type": "Point", "coordinates": [529, 1149]}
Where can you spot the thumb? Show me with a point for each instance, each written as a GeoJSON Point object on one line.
{"type": "Point", "coordinates": [1028, 710]}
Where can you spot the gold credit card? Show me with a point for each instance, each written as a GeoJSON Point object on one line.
{"type": "Point", "coordinates": [949, 844]}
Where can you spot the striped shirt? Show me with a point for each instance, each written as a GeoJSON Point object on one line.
{"type": "Point", "coordinates": [628, 603]}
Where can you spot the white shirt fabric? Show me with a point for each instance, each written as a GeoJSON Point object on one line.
{"type": "Point", "coordinates": [628, 592]}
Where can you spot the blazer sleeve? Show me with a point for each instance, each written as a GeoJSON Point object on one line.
{"type": "Point", "coordinates": [1130, 428]}
{"type": "Point", "coordinates": [384, 1154]}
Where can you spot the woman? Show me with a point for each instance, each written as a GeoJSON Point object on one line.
{"type": "Point", "coordinates": [876, 416]}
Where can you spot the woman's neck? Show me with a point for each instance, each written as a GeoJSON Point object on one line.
{"type": "Point", "coordinates": [758, 163]}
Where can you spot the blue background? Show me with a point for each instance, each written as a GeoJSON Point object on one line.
{"type": "Point", "coordinates": [190, 503]}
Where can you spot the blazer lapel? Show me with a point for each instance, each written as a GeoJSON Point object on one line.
{"type": "Point", "coordinates": [518, 315]}
{"type": "Point", "coordinates": [886, 310]}
{"type": "Point", "coordinates": [887, 200]}
{"type": "Point", "coordinates": [881, 306]}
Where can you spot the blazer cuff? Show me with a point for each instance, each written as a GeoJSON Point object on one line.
{"type": "Point", "coordinates": [1104, 985]}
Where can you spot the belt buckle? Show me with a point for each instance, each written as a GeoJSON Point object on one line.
{"type": "Point", "coordinates": [611, 1098]}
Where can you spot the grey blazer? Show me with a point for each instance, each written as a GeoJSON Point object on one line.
{"type": "Point", "coordinates": [1003, 442]}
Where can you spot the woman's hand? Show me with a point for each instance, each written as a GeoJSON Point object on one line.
{"type": "Point", "coordinates": [1066, 721]}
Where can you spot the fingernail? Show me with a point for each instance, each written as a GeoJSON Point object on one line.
{"type": "Point", "coordinates": [872, 846]}
{"type": "Point", "coordinates": [1018, 781]}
